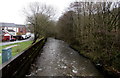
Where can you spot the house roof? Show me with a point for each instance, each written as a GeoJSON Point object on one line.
{"type": "Point", "coordinates": [11, 25]}
{"type": "Point", "coordinates": [20, 25]}
{"type": "Point", "coordinates": [7, 24]}
{"type": "Point", "coordinates": [10, 30]}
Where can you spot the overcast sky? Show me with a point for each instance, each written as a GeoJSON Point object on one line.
{"type": "Point", "coordinates": [11, 10]}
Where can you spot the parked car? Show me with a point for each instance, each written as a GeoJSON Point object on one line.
{"type": "Point", "coordinates": [6, 37]}
{"type": "Point", "coordinates": [19, 37]}
{"type": "Point", "coordinates": [24, 36]}
{"type": "Point", "coordinates": [28, 34]}
{"type": "Point", "coordinates": [13, 39]}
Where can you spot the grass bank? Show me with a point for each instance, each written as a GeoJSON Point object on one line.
{"type": "Point", "coordinates": [17, 49]}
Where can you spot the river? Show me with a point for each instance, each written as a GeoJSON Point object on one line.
{"type": "Point", "coordinates": [58, 59]}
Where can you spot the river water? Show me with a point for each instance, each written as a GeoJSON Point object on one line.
{"type": "Point", "coordinates": [58, 59]}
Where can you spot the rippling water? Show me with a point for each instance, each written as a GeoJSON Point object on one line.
{"type": "Point", "coordinates": [58, 59]}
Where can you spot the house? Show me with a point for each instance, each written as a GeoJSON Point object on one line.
{"type": "Point", "coordinates": [13, 29]}
{"type": "Point", "coordinates": [11, 32]}
{"type": "Point", "coordinates": [21, 29]}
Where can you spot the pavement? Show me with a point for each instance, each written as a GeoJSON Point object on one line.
{"type": "Point", "coordinates": [58, 59]}
{"type": "Point", "coordinates": [7, 43]}
{"type": "Point", "coordinates": [10, 46]}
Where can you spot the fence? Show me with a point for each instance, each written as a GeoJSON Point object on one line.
{"type": "Point", "coordinates": [18, 66]}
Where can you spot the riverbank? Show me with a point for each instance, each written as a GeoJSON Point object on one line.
{"type": "Point", "coordinates": [108, 71]}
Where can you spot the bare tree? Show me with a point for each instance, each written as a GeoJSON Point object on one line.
{"type": "Point", "coordinates": [96, 29]}
{"type": "Point", "coordinates": [39, 16]}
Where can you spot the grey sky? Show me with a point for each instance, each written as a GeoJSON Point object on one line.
{"type": "Point", "coordinates": [11, 10]}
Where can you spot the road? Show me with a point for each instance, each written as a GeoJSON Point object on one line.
{"type": "Point", "coordinates": [18, 41]}
{"type": "Point", "coordinates": [58, 59]}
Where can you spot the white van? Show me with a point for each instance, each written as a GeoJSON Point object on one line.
{"type": "Point", "coordinates": [28, 34]}
{"type": "Point", "coordinates": [24, 36]}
